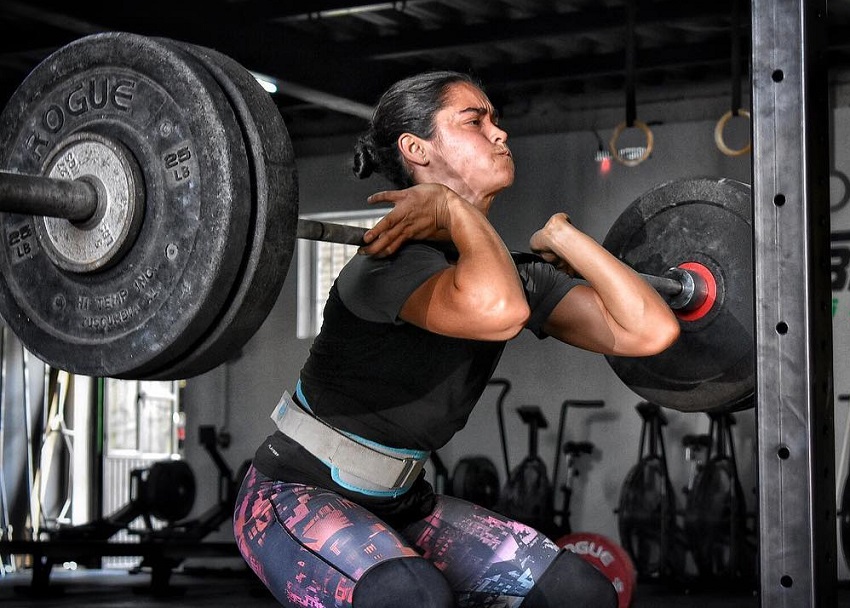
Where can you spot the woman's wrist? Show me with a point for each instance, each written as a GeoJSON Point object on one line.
{"type": "Point", "coordinates": [442, 212]}
{"type": "Point", "coordinates": [562, 239]}
{"type": "Point", "coordinates": [453, 206]}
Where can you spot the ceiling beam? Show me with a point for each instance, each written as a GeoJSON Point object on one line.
{"type": "Point", "coordinates": [586, 22]}
{"type": "Point", "coordinates": [260, 47]}
{"type": "Point", "coordinates": [312, 9]}
{"type": "Point", "coordinates": [589, 67]}
{"type": "Point", "coordinates": [52, 17]}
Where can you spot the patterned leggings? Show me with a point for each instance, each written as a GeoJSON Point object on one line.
{"type": "Point", "coordinates": [310, 546]}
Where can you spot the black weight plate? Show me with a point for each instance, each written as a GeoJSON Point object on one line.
{"type": "Point", "coordinates": [168, 491]}
{"type": "Point", "coordinates": [156, 301]}
{"type": "Point", "coordinates": [711, 367]}
{"type": "Point", "coordinates": [271, 239]}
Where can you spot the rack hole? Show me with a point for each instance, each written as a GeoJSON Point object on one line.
{"type": "Point", "coordinates": [782, 328]}
{"type": "Point", "coordinates": [777, 76]}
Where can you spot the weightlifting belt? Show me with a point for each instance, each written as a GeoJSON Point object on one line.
{"type": "Point", "coordinates": [370, 469]}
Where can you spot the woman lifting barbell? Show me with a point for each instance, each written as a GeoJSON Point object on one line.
{"type": "Point", "coordinates": [335, 510]}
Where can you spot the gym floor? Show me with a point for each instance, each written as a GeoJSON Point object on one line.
{"type": "Point", "coordinates": [235, 586]}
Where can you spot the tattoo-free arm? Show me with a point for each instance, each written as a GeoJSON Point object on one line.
{"type": "Point", "coordinates": [617, 312]}
{"type": "Point", "coordinates": [481, 296]}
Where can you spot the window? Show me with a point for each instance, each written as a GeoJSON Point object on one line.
{"type": "Point", "coordinates": [143, 424]}
{"type": "Point", "coordinates": [319, 263]}
{"type": "Point", "coordinates": [141, 419]}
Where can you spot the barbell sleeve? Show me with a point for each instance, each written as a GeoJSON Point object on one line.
{"type": "Point", "coordinates": [74, 200]}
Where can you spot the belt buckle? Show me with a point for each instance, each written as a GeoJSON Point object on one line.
{"type": "Point", "coordinates": [410, 466]}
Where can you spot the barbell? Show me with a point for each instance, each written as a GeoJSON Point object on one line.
{"type": "Point", "coordinates": [149, 203]}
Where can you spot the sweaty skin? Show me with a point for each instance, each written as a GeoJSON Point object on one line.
{"type": "Point", "coordinates": [458, 172]}
{"type": "Point", "coordinates": [312, 537]}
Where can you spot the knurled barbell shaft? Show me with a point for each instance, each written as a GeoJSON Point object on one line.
{"type": "Point", "coordinates": [314, 230]}
{"type": "Point", "coordinates": [76, 200]}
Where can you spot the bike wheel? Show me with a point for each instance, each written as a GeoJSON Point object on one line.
{"type": "Point", "coordinates": [844, 522]}
{"type": "Point", "coordinates": [715, 522]}
{"type": "Point", "coordinates": [647, 518]}
{"type": "Point", "coordinates": [476, 479]}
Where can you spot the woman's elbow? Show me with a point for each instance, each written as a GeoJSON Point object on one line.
{"type": "Point", "coordinates": [507, 319]}
{"type": "Point", "coordinates": [664, 334]}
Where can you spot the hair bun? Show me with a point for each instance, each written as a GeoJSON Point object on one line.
{"type": "Point", "coordinates": [364, 159]}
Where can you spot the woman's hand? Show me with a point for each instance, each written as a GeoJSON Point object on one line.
{"type": "Point", "coordinates": [419, 213]}
{"type": "Point", "coordinates": [479, 296]}
{"type": "Point", "coordinates": [618, 313]}
{"type": "Point", "coordinates": [541, 242]}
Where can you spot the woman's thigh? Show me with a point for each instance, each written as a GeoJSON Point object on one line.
{"type": "Point", "coordinates": [309, 546]}
{"type": "Point", "coordinates": [489, 560]}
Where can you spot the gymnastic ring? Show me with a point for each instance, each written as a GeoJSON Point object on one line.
{"type": "Point", "coordinates": [718, 134]}
{"type": "Point", "coordinates": [631, 162]}
{"type": "Point", "coordinates": [845, 181]}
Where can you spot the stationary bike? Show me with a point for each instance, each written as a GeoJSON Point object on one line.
{"type": "Point", "coordinates": [600, 551]}
{"type": "Point", "coordinates": [474, 479]}
{"type": "Point", "coordinates": [646, 512]}
{"type": "Point", "coordinates": [844, 507]}
{"type": "Point", "coordinates": [715, 516]}
{"type": "Point", "coordinates": [529, 495]}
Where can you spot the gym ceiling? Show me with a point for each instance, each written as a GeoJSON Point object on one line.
{"type": "Point", "coordinates": [332, 58]}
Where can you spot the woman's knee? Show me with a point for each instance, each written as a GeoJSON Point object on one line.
{"type": "Point", "coordinates": [571, 581]}
{"type": "Point", "coordinates": [403, 581]}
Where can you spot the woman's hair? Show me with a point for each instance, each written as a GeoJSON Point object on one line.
{"type": "Point", "coordinates": [408, 106]}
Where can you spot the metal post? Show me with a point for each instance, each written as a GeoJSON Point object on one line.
{"type": "Point", "coordinates": [792, 293]}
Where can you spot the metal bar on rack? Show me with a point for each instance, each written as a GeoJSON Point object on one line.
{"type": "Point", "coordinates": [796, 458]}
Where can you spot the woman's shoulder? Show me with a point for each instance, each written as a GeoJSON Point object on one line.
{"type": "Point", "coordinates": [412, 254]}
{"type": "Point", "coordinates": [377, 288]}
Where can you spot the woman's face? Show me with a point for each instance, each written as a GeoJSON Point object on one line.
{"type": "Point", "coordinates": [468, 151]}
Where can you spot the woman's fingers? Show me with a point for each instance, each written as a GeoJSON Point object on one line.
{"type": "Point", "coordinates": [390, 232]}
{"type": "Point", "coordinates": [541, 242]}
{"type": "Point", "coordinates": [387, 196]}
{"type": "Point", "coordinates": [559, 263]}
{"type": "Point", "coordinates": [413, 216]}
{"type": "Point", "coordinates": [384, 239]}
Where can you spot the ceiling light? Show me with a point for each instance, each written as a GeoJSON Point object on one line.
{"type": "Point", "coordinates": [602, 155]}
{"type": "Point", "coordinates": [266, 82]}
{"type": "Point", "coordinates": [632, 153]}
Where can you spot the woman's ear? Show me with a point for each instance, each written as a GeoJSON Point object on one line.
{"type": "Point", "coordinates": [412, 148]}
